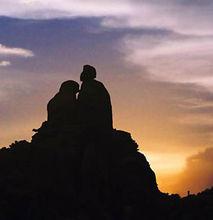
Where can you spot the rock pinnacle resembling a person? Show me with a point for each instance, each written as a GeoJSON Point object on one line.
{"type": "Point", "coordinates": [94, 101]}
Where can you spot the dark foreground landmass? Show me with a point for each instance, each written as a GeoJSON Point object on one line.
{"type": "Point", "coordinates": [80, 175]}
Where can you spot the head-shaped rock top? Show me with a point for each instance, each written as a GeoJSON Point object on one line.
{"type": "Point", "coordinates": [69, 86]}
{"type": "Point", "coordinates": [89, 73]}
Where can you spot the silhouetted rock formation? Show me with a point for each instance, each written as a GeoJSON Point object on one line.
{"type": "Point", "coordinates": [76, 166]}
{"type": "Point", "coordinates": [94, 101]}
{"type": "Point", "coordinates": [98, 176]}
{"type": "Point", "coordinates": [62, 108]}
{"type": "Point", "coordinates": [72, 171]}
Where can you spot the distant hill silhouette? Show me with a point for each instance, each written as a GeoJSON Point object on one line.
{"type": "Point", "coordinates": [80, 171]}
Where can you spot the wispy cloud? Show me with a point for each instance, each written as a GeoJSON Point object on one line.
{"type": "Point", "coordinates": [186, 17]}
{"type": "Point", "coordinates": [172, 57]}
{"type": "Point", "coordinates": [182, 16]}
{"type": "Point", "coordinates": [185, 56]}
{"type": "Point", "coordinates": [13, 51]}
{"type": "Point", "coordinates": [5, 63]}
{"type": "Point", "coordinates": [47, 9]}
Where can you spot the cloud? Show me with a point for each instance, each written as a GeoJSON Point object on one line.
{"type": "Point", "coordinates": [13, 51]}
{"type": "Point", "coordinates": [196, 175]}
{"type": "Point", "coordinates": [186, 17]}
{"type": "Point", "coordinates": [172, 57]}
{"type": "Point", "coordinates": [183, 55]}
{"type": "Point", "coordinates": [198, 172]}
{"type": "Point", "coordinates": [47, 9]}
{"type": "Point", "coordinates": [183, 16]}
{"type": "Point", "coordinates": [5, 63]}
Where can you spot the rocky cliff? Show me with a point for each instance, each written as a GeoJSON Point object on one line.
{"type": "Point", "coordinates": [74, 174]}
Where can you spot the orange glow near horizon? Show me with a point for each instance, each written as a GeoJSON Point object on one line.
{"type": "Point", "coordinates": [158, 139]}
{"type": "Point", "coordinates": [167, 165]}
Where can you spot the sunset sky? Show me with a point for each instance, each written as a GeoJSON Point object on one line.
{"type": "Point", "coordinates": [154, 56]}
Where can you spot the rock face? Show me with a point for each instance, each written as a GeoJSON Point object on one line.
{"type": "Point", "coordinates": [95, 108]}
{"type": "Point", "coordinates": [77, 167]}
{"type": "Point", "coordinates": [87, 175]}
{"type": "Point", "coordinates": [75, 175]}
